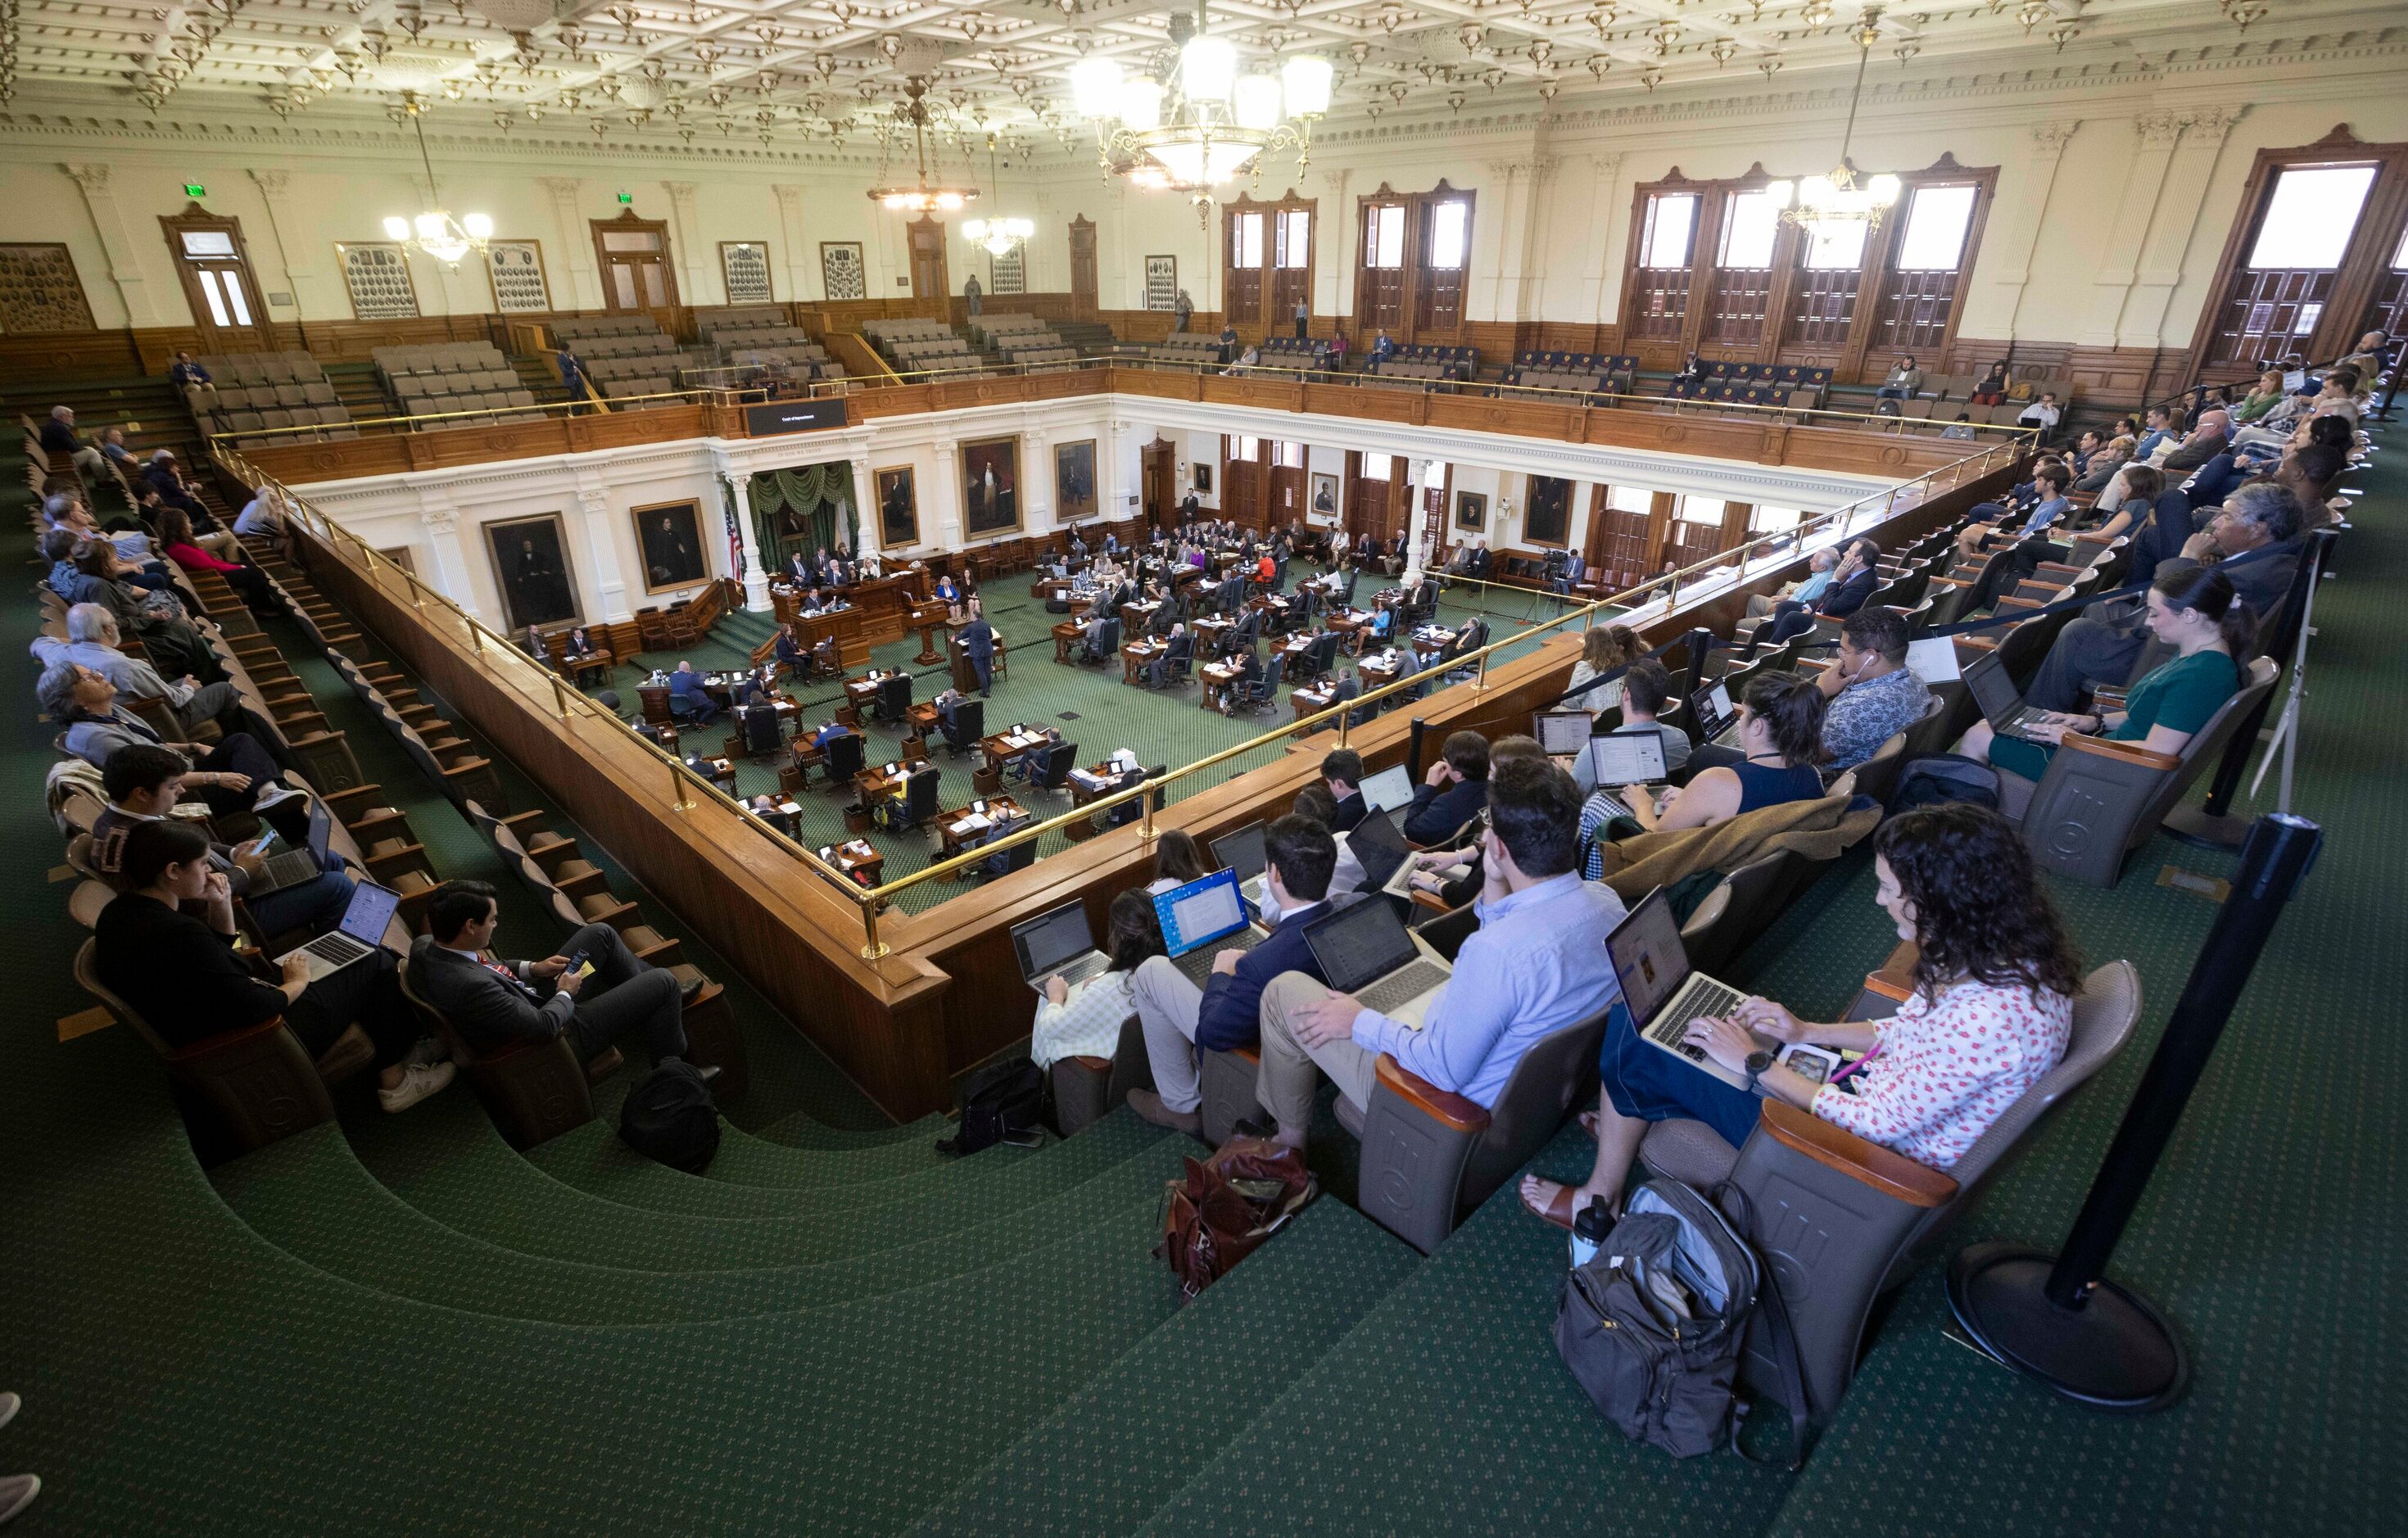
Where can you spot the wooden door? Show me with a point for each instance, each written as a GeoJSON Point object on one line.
{"type": "Point", "coordinates": [1286, 502]}
{"type": "Point", "coordinates": [214, 266]}
{"type": "Point", "coordinates": [637, 275]}
{"type": "Point", "coordinates": [929, 284]}
{"type": "Point", "coordinates": [1158, 464]}
{"type": "Point", "coordinates": [1367, 503]}
{"type": "Point", "coordinates": [1380, 275]}
{"type": "Point", "coordinates": [1241, 491]}
{"type": "Point", "coordinates": [1082, 268]}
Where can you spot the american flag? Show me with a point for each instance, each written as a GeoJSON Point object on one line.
{"type": "Point", "coordinates": [734, 538]}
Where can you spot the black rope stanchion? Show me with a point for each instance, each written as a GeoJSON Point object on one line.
{"type": "Point", "coordinates": [1413, 750]}
{"type": "Point", "coordinates": [2059, 1320]}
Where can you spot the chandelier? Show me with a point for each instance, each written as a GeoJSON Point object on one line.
{"type": "Point", "coordinates": [1202, 124]}
{"type": "Point", "coordinates": [997, 236]}
{"type": "Point", "coordinates": [1820, 204]}
{"type": "Point", "coordinates": [920, 198]}
{"type": "Point", "coordinates": [436, 232]}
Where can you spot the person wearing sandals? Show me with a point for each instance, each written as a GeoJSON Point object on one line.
{"type": "Point", "coordinates": [1991, 1012]}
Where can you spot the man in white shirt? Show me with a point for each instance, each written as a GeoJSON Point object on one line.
{"type": "Point", "coordinates": [260, 517]}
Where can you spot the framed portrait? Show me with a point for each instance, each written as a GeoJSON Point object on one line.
{"type": "Point", "coordinates": [1162, 282]}
{"type": "Point", "coordinates": [745, 267]}
{"type": "Point", "coordinates": [842, 276]}
{"type": "Point", "coordinates": [1203, 476]}
{"type": "Point", "coordinates": [1074, 480]}
{"type": "Point", "coordinates": [1008, 273]}
{"type": "Point", "coordinates": [898, 507]}
{"type": "Point", "coordinates": [669, 535]}
{"type": "Point", "coordinates": [1471, 510]}
{"type": "Point", "coordinates": [377, 275]}
{"type": "Point", "coordinates": [530, 558]}
{"type": "Point", "coordinates": [1548, 519]}
{"type": "Point", "coordinates": [990, 485]}
{"type": "Point", "coordinates": [516, 268]}
{"type": "Point", "coordinates": [1323, 507]}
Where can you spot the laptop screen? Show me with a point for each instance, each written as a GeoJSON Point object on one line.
{"type": "Point", "coordinates": [1048, 940]}
{"type": "Point", "coordinates": [1379, 848]}
{"type": "Point", "coordinates": [1563, 731]}
{"type": "Point", "coordinates": [1994, 690]}
{"type": "Point", "coordinates": [1627, 758]}
{"type": "Point", "coordinates": [1359, 943]}
{"type": "Point", "coordinates": [1241, 854]}
{"type": "Point", "coordinates": [372, 907]}
{"type": "Point", "coordinates": [1648, 957]}
{"type": "Point", "coordinates": [1712, 708]}
{"type": "Point", "coordinates": [1200, 913]}
{"type": "Point", "coordinates": [1390, 788]}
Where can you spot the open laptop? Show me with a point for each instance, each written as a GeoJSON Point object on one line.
{"type": "Point", "coordinates": [1711, 706]}
{"type": "Point", "coordinates": [1059, 944]}
{"type": "Point", "coordinates": [1561, 732]}
{"type": "Point", "coordinates": [1202, 919]}
{"type": "Point", "coordinates": [2000, 702]}
{"type": "Point", "coordinates": [292, 866]}
{"type": "Point", "coordinates": [1242, 854]}
{"type": "Point", "coordinates": [1364, 950]}
{"type": "Point", "coordinates": [1635, 757]}
{"type": "Point", "coordinates": [356, 938]}
{"type": "Point", "coordinates": [1382, 852]}
{"type": "Point", "coordinates": [1662, 991]}
{"type": "Point", "coordinates": [1390, 788]}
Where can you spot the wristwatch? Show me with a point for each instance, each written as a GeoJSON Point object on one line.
{"type": "Point", "coordinates": [1757, 1061]}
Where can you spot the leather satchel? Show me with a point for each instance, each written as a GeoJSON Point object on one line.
{"type": "Point", "coordinates": [1223, 1207]}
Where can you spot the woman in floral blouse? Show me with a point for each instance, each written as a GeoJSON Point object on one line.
{"type": "Point", "coordinates": [1085, 1021]}
{"type": "Point", "coordinates": [1992, 1009]}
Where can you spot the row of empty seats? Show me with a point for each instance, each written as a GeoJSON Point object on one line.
{"type": "Point", "coordinates": [465, 384]}
{"type": "Point", "coordinates": [913, 346]}
{"type": "Point", "coordinates": [267, 395]}
{"type": "Point", "coordinates": [1185, 350]}
{"type": "Point", "coordinates": [763, 338]}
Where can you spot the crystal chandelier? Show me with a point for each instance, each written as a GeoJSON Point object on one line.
{"type": "Point", "coordinates": [920, 198]}
{"type": "Point", "coordinates": [1001, 234]}
{"type": "Point", "coordinates": [1203, 125]}
{"type": "Point", "coordinates": [436, 232]}
{"type": "Point", "coordinates": [1820, 203]}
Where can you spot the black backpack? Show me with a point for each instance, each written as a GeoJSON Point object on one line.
{"type": "Point", "coordinates": [1003, 1104]}
{"type": "Point", "coordinates": [669, 1118]}
{"type": "Point", "coordinates": [1938, 777]}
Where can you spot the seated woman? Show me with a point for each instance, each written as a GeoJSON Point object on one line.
{"type": "Point", "coordinates": [1991, 1012]}
{"type": "Point", "coordinates": [249, 584]}
{"type": "Point", "coordinates": [1085, 1021]}
{"type": "Point", "coordinates": [1605, 648]}
{"type": "Point", "coordinates": [1178, 859]}
{"type": "Point", "coordinates": [1993, 386]}
{"type": "Point", "coordinates": [1780, 742]}
{"type": "Point", "coordinates": [2192, 610]}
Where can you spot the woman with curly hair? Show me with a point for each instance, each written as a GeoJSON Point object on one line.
{"type": "Point", "coordinates": [1606, 649]}
{"type": "Point", "coordinates": [1991, 1012]}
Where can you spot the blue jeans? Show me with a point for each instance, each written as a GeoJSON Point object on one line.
{"type": "Point", "coordinates": [1890, 391]}
{"type": "Point", "coordinates": [316, 905]}
{"type": "Point", "coordinates": [1652, 1084]}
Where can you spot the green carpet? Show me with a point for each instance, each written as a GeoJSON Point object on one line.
{"type": "Point", "coordinates": [397, 1324]}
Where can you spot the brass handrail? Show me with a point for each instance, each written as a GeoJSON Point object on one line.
{"type": "Point", "coordinates": [567, 407]}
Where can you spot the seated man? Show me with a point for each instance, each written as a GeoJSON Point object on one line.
{"type": "Point", "coordinates": [180, 973]}
{"type": "Point", "coordinates": [1853, 581]}
{"type": "Point", "coordinates": [1646, 687]}
{"type": "Point", "coordinates": [789, 649]}
{"type": "Point", "coordinates": [94, 641]}
{"type": "Point", "coordinates": [260, 517]}
{"type": "Point", "coordinates": [689, 701]}
{"type": "Point", "coordinates": [1179, 1017]}
{"type": "Point", "coordinates": [59, 437]}
{"type": "Point", "coordinates": [236, 775]}
{"type": "Point", "coordinates": [1873, 698]}
{"type": "Point", "coordinates": [595, 990]}
{"type": "Point", "coordinates": [1820, 567]}
{"type": "Point", "coordinates": [1342, 770]}
{"type": "Point", "coordinates": [1536, 964]}
{"type": "Point", "coordinates": [1178, 648]}
{"type": "Point", "coordinates": [144, 784]}
{"type": "Point", "coordinates": [2044, 414]}
{"type": "Point", "coordinates": [829, 731]}
{"type": "Point", "coordinates": [1452, 790]}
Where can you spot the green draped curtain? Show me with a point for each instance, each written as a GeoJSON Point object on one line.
{"type": "Point", "coordinates": [814, 499]}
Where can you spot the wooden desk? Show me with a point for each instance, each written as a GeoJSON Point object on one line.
{"type": "Point", "coordinates": [579, 667]}
{"type": "Point", "coordinates": [1002, 813]}
{"type": "Point", "coordinates": [1377, 670]}
{"type": "Point", "coordinates": [921, 718]}
{"type": "Point", "coordinates": [874, 782]}
{"type": "Point", "coordinates": [858, 858]}
{"type": "Point", "coordinates": [1431, 645]}
{"type": "Point", "coordinates": [1066, 637]}
{"type": "Point", "coordinates": [1136, 616]}
{"type": "Point", "coordinates": [1294, 647]}
{"type": "Point", "coordinates": [1136, 654]}
{"type": "Point", "coordinates": [861, 692]}
{"type": "Point", "coordinates": [1217, 678]}
{"type": "Point", "coordinates": [996, 747]}
{"type": "Point", "coordinates": [1105, 781]}
{"type": "Point", "coordinates": [1306, 702]}
{"type": "Point", "coordinates": [719, 772]}
{"type": "Point", "coordinates": [1211, 634]}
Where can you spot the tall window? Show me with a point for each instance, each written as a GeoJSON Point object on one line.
{"type": "Point", "coordinates": [1744, 272]}
{"type": "Point", "coordinates": [2388, 314]}
{"type": "Point", "coordinates": [1380, 289]}
{"type": "Point", "coordinates": [1919, 292]}
{"type": "Point", "coordinates": [1375, 468]}
{"type": "Point", "coordinates": [1697, 528]}
{"type": "Point", "coordinates": [1288, 456]}
{"type": "Point", "coordinates": [1667, 237]}
{"type": "Point", "coordinates": [2287, 276]}
{"type": "Point", "coordinates": [1438, 288]}
{"type": "Point", "coordinates": [1702, 509]}
{"type": "Point", "coordinates": [1762, 518]}
{"type": "Point", "coordinates": [1246, 230]}
{"type": "Point", "coordinates": [1412, 264]}
{"type": "Point", "coordinates": [1823, 298]}
{"type": "Point", "coordinates": [1246, 447]}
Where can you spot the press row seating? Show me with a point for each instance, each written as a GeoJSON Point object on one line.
{"type": "Point", "coordinates": [1794, 397]}
{"type": "Point", "coordinates": [1297, 352]}
{"type": "Point", "coordinates": [1625, 363]}
{"type": "Point", "coordinates": [1796, 376]}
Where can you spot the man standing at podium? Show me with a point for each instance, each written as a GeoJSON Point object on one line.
{"type": "Point", "coordinates": [977, 641]}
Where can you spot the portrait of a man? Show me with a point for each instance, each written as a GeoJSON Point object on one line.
{"type": "Point", "coordinates": [991, 485]}
{"type": "Point", "coordinates": [669, 537]}
{"type": "Point", "coordinates": [899, 508]}
{"type": "Point", "coordinates": [1074, 480]}
{"type": "Point", "coordinates": [531, 568]}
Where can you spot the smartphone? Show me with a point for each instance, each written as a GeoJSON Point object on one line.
{"type": "Point", "coordinates": [1810, 1062]}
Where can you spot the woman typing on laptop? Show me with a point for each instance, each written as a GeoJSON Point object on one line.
{"type": "Point", "coordinates": [1084, 1020]}
{"type": "Point", "coordinates": [1991, 1012]}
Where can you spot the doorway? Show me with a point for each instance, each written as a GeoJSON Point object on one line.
{"type": "Point", "coordinates": [1158, 463]}
{"type": "Point", "coordinates": [929, 284]}
{"type": "Point", "coordinates": [636, 276]}
{"type": "Point", "coordinates": [214, 266]}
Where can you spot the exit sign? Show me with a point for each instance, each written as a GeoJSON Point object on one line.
{"type": "Point", "coordinates": [193, 189]}
{"type": "Point", "coordinates": [627, 197]}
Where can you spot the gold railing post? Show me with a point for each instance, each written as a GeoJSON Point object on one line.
{"type": "Point", "coordinates": [559, 700]}
{"type": "Point", "coordinates": [872, 948]}
{"type": "Point", "coordinates": [1145, 804]}
{"type": "Point", "coordinates": [676, 789]}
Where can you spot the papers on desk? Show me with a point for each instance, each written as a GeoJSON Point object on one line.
{"type": "Point", "coordinates": [1092, 780]}
{"type": "Point", "coordinates": [974, 822]}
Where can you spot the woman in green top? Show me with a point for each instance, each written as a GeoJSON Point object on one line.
{"type": "Point", "coordinates": [2258, 402]}
{"type": "Point", "coordinates": [2196, 612]}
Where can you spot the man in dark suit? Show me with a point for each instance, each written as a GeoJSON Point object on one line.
{"type": "Point", "coordinates": [976, 641]}
{"type": "Point", "coordinates": [1853, 581]}
{"type": "Point", "coordinates": [494, 1003]}
{"type": "Point", "coordinates": [1342, 770]}
{"type": "Point", "coordinates": [1454, 788]}
{"type": "Point", "coordinates": [1180, 1017]}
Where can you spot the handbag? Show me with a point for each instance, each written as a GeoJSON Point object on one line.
{"type": "Point", "coordinates": [1223, 1208]}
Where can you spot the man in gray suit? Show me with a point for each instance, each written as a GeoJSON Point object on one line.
{"type": "Point", "coordinates": [493, 1003]}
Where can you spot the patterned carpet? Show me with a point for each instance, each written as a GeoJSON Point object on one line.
{"type": "Point", "coordinates": [400, 1325]}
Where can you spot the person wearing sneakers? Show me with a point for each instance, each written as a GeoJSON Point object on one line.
{"type": "Point", "coordinates": [495, 1002]}
{"type": "Point", "coordinates": [17, 1490]}
{"type": "Point", "coordinates": [181, 974]}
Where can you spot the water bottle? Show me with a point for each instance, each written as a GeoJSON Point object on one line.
{"type": "Point", "coordinates": [1589, 1228]}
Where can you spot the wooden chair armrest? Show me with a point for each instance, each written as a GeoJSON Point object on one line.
{"type": "Point", "coordinates": [1430, 900]}
{"type": "Point", "coordinates": [364, 794]}
{"type": "Point", "coordinates": [2108, 699]}
{"type": "Point", "coordinates": [2130, 753]}
{"type": "Point", "coordinates": [219, 1043]}
{"type": "Point", "coordinates": [1448, 1110]}
{"type": "Point", "coordinates": [2011, 601]}
{"type": "Point", "coordinates": [1894, 1175]}
{"type": "Point", "coordinates": [1888, 987]}
{"type": "Point", "coordinates": [2068, 572]}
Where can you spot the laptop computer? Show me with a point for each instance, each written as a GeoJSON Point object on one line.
{"type": "Point", "coordinates": [1382, 852]}
{"type": "Point", "coordinates": [1242, 854]}
{"type": "Point", "coordinates": [1634, 757]}
{"type": "Point", "coordinates": [1390, 788]}
{"type": "Point", "coordinates": [292, 866]}
{"type": "Point", "coordinates": [356, 938]}
{"type": "Point", "coordinates": [1711, 706]}
{"type": "Point", "coordinates": [1561, 732]}
{"type": "Point", "coordinates": [1202, 919]}
{"type": "Point", "coordinates": [1364, 949]}
{"type": "Point", "coordinates": [1059, 944]}
{"type": "Point", "coordinates": [2000, 702]}
{"type": "Point", "coordinates": [1662, 991]}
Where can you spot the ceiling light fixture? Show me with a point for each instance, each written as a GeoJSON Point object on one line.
{"type": "Point", "coordinates": [920, 198]}
{"type": "Point", "coordinates": [997, 236]}
{"type": "Point", "coordinates": [1209, 124]}
{"type": "Point", "coordinates": [1821, 203]}
{"type": "Point", "coordinates": [436, 232]}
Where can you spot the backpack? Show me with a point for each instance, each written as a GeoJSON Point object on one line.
{"type": "Point", "coordinates": [669, 1118]}
{"type": "Point", "coordinates": [1943, 777]}
{"type": "Point", "coordinates": [1222, 1209]}
{"type": "Point", "coordinates": [1003, 1104]}
{"type": "Point", "coordinates": [1654, 1325]}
